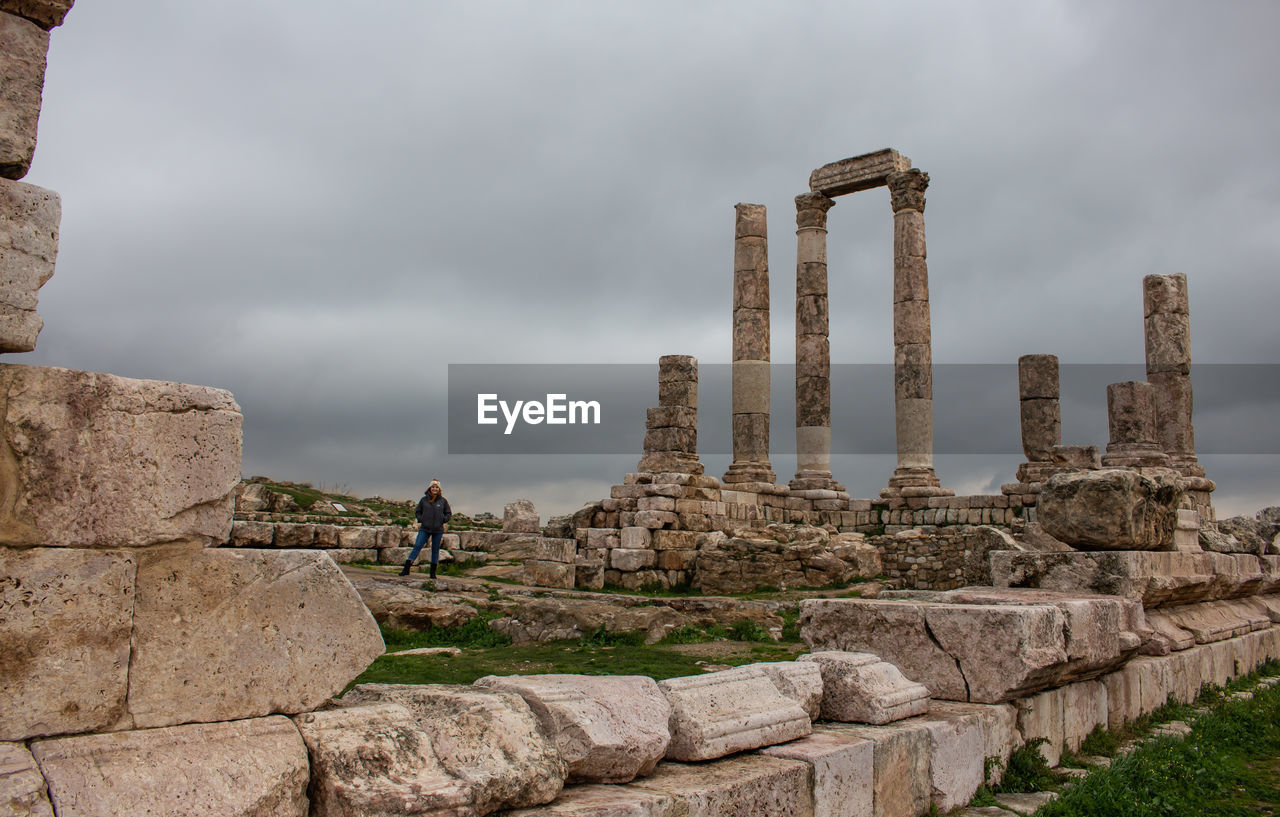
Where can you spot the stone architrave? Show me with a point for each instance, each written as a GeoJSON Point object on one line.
{"type": "Point", "coordinates": [29, 219]}
{"type": "Point", "coordinates": [520, 517]}
{"type": "Point", "coordinates": [860, 688]}
{"type": "Point", "coordinates": [249, 768]}
{"type": "Point", "coordinates": [223, 633]}
{"type": "Point", "coordinates": [1110, 509]}
{"type": "Point", "coordinates": [24, 48]}
{"type": "Point", "coordinates": [65, 620]}
{"type": "Point", "coordinates": [22, 788]}
{"type": "Point", "coordinates": [751, 381]}
{"type": "Point", "coordinates": [1167, 330]}
{"type": "Point", "coordinates": [858, 173]}
{"type": "Point", "coordinates": [488, 738]}
{"type": "Point", "coordinates": [609, 729]}
{"type": "Point", "coordinates": [375, 761]}
{"type": "Point", "coordinates": [102, 461]}
{"type": "Point", "coordinates": [912, 341]}
{"type": "Point", "coordinates": [813, 347]}
{"type": "Point", "coordinates": [720, 713]}
{"type": "Point", "coordinates": [1131, 420]}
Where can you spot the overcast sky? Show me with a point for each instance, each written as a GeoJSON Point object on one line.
{"type": "Point", "coordinates": [320, 205]}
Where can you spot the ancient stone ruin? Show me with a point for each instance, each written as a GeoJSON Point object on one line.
{"type": "Point", "coordinates": [157, 659]}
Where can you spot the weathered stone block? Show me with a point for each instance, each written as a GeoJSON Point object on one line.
{"type": "Point", "coordinates": [252, 534]}
{"type": "Point", "coordinates": [860, 688]}
{"type": "Point", "coordinates": [248, 768]}
{"type": "Point", "coordinates": [901, 783]}
{"type": "Point", "coordinates": [65, 620]}
{"type": "Point", "coordinates": [1040, 716]}
{"type": "Point", "coordinates": [842, 772]}
{"type": "Point", "coordinates": [857, 173]}
{"type": "Point", "coordinates": [520, 517]}
{"type": "Point", "coordinates": [103, 461]}
{"type": "Point", "coordinates": [45, 13]}
{"type": "Point", "coordinates": [956, 752]}
{"type": "Point", "coordinates": [608, 729]}
{"type": "Point", "coordinates": [1001, 650]}
{"type": "Point", "coordinates": [606, 801]}
{"type": "Point", "coordinates": [797, 680]}
{"type": "Point", "coordinates": [720, 713]}
{"type": "Point", "coordinates": [375, 761]}
{"type": "Point", "coordinates": [23, 792]}
{"type": "Point", "coordinates": [222, 634]}
{"type": "Point", "coordinates": [1084, 706]}
{"type": "Point", "coordinates": [538, 573]}
{"type": "Point", "coordinates": [629, 560]}
{"type": "Point", "coordinates": [29, 218]}
{"type": "Point", "coordinates": [1038, 377]}
{"type": "Point", "coordinates": [487, 738]}
{"type": "Point", "coordinates": [24, 47]}
{"type": "Point", "coordinates": [1109, 509]}
{"type": "Point", "coordinates": [739, 787]}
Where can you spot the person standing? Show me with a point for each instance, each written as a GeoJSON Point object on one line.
{"type": "Point", "coordinates": [433, 513]}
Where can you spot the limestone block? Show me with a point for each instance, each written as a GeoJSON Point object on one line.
{"type": "Point", "coordinates": [911, 323]}
{"type": "Point", "coordinates": [489, 739]}
{"type": "Point", "coordinates": [357, 538]}
{"type": "Point", "coordinates": [957, 749]}
{"type": "Point", "coordinates": [1040, 716]}
{"type": "Point", "coordinates": [678, 393]}
{"type": "Point", "coordinates": [797, 680]}
{"type": "Point", "coordinates": [671, 417]}
{"type": "Point", "coordinates": [1084, 706]}
{"type": "Point", "coordinates": [1168, 341]}
{"type": "Point", "coordinates": [750, 334]}
{"type": "Point", "coordinates": [538, 573]}
{"type": "Point", "coordinates": [222, 634]}
{"type": "Point", "coordinates": [1109, 509]}
{"type": "Point", "coordinates": [751, 379]}
{"type": "Point", "coordinates": [1001, 650]}
{"type": "Point", "coordinates": [520, 517]}
{"type": "Point", "coordinates": [65, 619]}
{"type": "Point", "coordinates": [860, 688]}
{"type": "Point", "coordinates": [857, 173]}
{"type": "Point", "coordinates": [22, 788]}
{"type": "Point", "coordinates": [630, 560]}
{"type": "Point", "coordinates": [744, 786]}
{"type": "Point", "coordinates": [901, 782]}
{"type": "Point", "coordinates": [673, 368]}
{"type": "Point", "coordinates": [29, 218]}
{"type": "Point", "coordinates": [606, 801]}
{"type": "Point", "coordinates": [842, 772]}
{"type": "Point", "coordinates": [1123, 695]}
{"type": "Point", "coordinates": [375, 761]}
{"type": "Point", "coordinates": [894, 630]}
{"type": "Point", "coordinates": [913, 370]}
{"type": "Point", "coordinates": [103, 461]}
{"type": "Point", "coordinates": [45, 13]}
{"type": "Point", "coordinates": [813, 403]}
{"type": "Point", "coordinates": [252, 534]}
{"type": "Point", "coordinates": [1038, 377]}
{"type": "Point", "coordinates": [720, 713]}
{"type": "Point", "coordinates": [1041, 428]}
{"type": "Point", "coordinates": [608, 729]}
{"type": "Point", "coordinates": [999, 723]}
{"type": "Point", "coordinates": [24, 47]}
{"type": "Point", "coordinates": [247, 768]}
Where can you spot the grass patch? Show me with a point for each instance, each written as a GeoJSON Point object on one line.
{"type": "Point", "coordinates": [474, 634]}
{"type": "Point", "coordinates": [749, 631]}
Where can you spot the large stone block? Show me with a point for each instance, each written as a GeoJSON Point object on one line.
{"type": "Point", "coordinates": [29, 218]}
{"type": "Point", "coordinates": [251, 768]}
{"type": "Point", "coordinates": [999, 724]}
{"type": "Point", "coordinates": [860, 688]}
{"type": "Point", "coordinates": [65, 619]}
{"type": "Point", "coordinates": [799, 681]}
{"type": "Point", "coordinates": [489, 739]}
{"type": "Point", "coordinates": [375, 761]}
{"type": "Point", "coordinates": [720, 713]}
{"type": "Point", "coordinates": [608, 729]}
{"type": "Point", "coordinates": [1084, 707]}
{"type": "Point", "coordinates": [1155, 577]}
{"type": "Point", "coordinates": [45, 13]}
{"type": "Point", "coordinates": [1109, 509]}
{"type": "Point", "coordinates": [96, 460]}
{"type": "Point", "coordinates": [857, 173]}
{"type": "Point", "coordinates": [843, 769]}
{"type": "Point", "coordinates": [957, 758]}
{"type": "Point", "coordinates": [23, 792]}
{"type": "Point", "coordinates": [520, 517]}
{"type": "Point", "coordinates": [902, 785]}
{"type": "Point", "coordinates": [1040, 716]}
{"type": "Point", "coordinates": [607, 801]}
{"type": "Point", "coordinates": [221, 634]}
{"type": "Point", "coordinates": [1002, 651]}
{"type": "Point", "coordinates": [748, 786]}
{"type": "Point", "coordinates": [24, 47]}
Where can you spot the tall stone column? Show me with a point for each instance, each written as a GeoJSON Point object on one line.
{"type": "Point", "coordinates": [750, 348]}
{"type": "Point", "coordinates": [912, 352]}
{"type": "Point", "coordinates": [1041, 420]}
{"type": "Point", "coordinates": [813, 348]}
{"type": "Point", "coordinates": [1166, 310]}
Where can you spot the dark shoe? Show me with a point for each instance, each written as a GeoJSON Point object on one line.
{"type": "Point", "coordinates": [433, 571]}
{"type": "Point", "coordinates": [404, 571]}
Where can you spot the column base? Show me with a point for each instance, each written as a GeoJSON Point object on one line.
{"type": "Point", "coordinates": [812, 480]}
{"type": "Point", "coordinates": [1135, 455]}
{"type": "Point", "coordinates": [1029, 472]}
{"type": "Point", "coordinates": [1189, 466]}
{"type": "Point", "coordinates": [749, 471]}
{"type": "Point", "coordinates": [915, 480]}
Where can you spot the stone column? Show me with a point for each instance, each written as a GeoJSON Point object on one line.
{"type": "Point", "coordinates": [1131, 420]}
{"type": "Point", "coordinates": [750, 348]}
{"type": "Point", "coordinates": [813, 348]}
{"type": "Point", "coordinates": [671, 429]}
{"type": "Point", "coordinates": [1041, 421]}
{"type": "Point", "coordinates": [1168, 335]}
{"type": "Point", "coordinates": [912, 354]}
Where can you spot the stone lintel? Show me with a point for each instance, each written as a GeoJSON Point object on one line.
{"type": "Point", "coordinates": [857, 173]}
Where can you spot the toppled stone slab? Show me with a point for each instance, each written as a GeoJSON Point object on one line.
{"type": "Point", "coordinates": [24, 47]}
{"type": "Point", "coordinates": [744, 786]}
{"type": "Point", "coordinates": [489, 739]}
{"type": "Point", "coordinates": [29, 218]}
{"type": "Point", "coordinates": [720, 713]}
{"type": "Point", "coordinates": [801, 682]}
{"type": "Point", "coordinates": [842, 772]}
{"type": "Point", "coordinates": [103, 461]}
{"type": "Point", "coordinates": [1154, 578]}
{"type": "Point", "coordinates": [1110, 509]}
{"type": "Point", "coordinates": [607, 801]}
{"type": "Point", "coordinates": [250, 768]}
{"type": "Point", "coordinates": [860, 688]}
{"type": "Point", "coordinates": [375, 761]}
{"type": "Point", "coordinates": [22, 788]}
{"type": "Point", "coordinates": [220, 634]}
{"type": "Point", "coordinates": [901, 782]}
{"type": "Point", "coordinates": [608, 729]}
{"type": "Point", "coordinates": [65, 620]}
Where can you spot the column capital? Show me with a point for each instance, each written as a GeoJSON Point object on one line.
{"type": "Point", "coordinates": [811, 210]}
{"type": "Point", "coordinates": [906, 189]}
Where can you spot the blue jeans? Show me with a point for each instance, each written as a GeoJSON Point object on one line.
{"type": "Point", "coordinates": [436, 536]}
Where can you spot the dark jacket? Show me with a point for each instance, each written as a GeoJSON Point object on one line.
{"type": "Point", "coordinates": [435, 515]}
